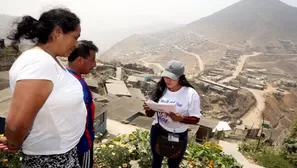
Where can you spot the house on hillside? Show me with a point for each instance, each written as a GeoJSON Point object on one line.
{"type": "Point", "coordinates": [124, 109]}
{"type": "Point", "coordinates": [208, 127]}
{"type": "Point", "coordinates": [100, 123]}
{"type": "Point", "coordinates": [133, 80]}
{"type": "Point", "coordinates": [127, 110]}
{"type": "Point", "coordinates": [117, 87]}
{"type": "Point", "coordinates": [142, 121]}
{"type": "Point", "coordinates": [254, 86]}
{"type": "Point", "coordinates": [92, 84]}
{"type": "Point", "coordinates": [287, 83]}
{"type": "Point", "coordinates": [136, 93]}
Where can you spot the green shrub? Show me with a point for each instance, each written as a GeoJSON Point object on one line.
{"type": "Point", "coordinates": [265, 156]}
{"type": "Point", "coordinates": [9, 160]}
{"type": "Point", "coordinates": [289, 149]}
{"type": "Point", "coordinates": [271, 159]}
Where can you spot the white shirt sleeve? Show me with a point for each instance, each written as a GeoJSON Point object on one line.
{"type": "Point", "coordinates": [194, 105]}
{"type": "Point", "coordinates": [38, 67]}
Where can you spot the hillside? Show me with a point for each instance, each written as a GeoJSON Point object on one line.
{"type": "Point", "coordinates": [157, 48]}
{"type": "Point", "coordinates": [249, 25]}
{"type": "Point", "coordinates": [280, 110]}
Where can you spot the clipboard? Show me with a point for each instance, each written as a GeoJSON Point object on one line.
{"type": "Point", "coordinates": [161, 107]}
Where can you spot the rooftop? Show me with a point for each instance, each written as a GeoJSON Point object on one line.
{"type": "Point", "coordinates": [117, 87]}
{"type": "Point", "coordinates": [91, 82]}
{"type": "Point", "coordinates": [133, 79]}
{"type": "Point", "coordinates": [218, 84]}
{"type": "Point", "coordinates": [99, 109]}
{"type": "Point", "coordinates": [136, 93]}
{"type": "Point", "coordinates": [99, 98]}
{"type": "Point", "coordinates": [208, 122]}
{"type": "Point", "coordinates": [214, 124]}
{"type": "Point", "coordinates": [143, 122]}
{"type": "Point", "coordinates": [123, 108]}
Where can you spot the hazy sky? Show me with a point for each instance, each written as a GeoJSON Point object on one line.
{"type": "Point", "coordinates": [103, 19]}
{"type": "Point", "coordinates": [112, 14]}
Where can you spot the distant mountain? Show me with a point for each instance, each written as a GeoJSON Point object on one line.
{"type": "Point", "coordinates": [106, 39]}
{"type": "Point", "coordinates": [249, 23]}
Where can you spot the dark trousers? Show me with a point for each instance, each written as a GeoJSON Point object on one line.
{"type": "Point", "coordinates": [157, 159]}
{"type": "Point", "coordinates": [86, 159]}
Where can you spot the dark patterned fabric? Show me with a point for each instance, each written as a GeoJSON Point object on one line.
{"type": "Point", "coordinates": [66, 160]}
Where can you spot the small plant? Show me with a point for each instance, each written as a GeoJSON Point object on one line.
{"type": "Point", "coordinates": [9, 160]}
{"type": "Point", "coordinates": [271, 159]}
{"type": "Point", "coordinates": [289, 151]}
{"type": "Point", "coordinates": [112, 155]}
{"type": "Point", "coordinates": [266, 156]}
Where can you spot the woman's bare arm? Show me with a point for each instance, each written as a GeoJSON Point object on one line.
{"type": "Point", "coordinates": [29, 96]}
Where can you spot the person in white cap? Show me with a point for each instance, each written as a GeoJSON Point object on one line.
{"type": "Point", "coordinates": [169, 132]}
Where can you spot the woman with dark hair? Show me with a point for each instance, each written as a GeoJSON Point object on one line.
{"type": "Point", "coordinates": [47, 115]}
{"type": "Point", "coordinates": [169, 134]}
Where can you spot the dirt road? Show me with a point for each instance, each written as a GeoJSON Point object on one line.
{"type": "Point", "coordinates": [226, 45]}
{"type": "Point", "coordinates": [199, 60]}
{"type": "Point", "coordinates": [156, 64]}
{"type": "Point", "coordinates": [222, 44]}
{"type": "Point", "coordinates": [254, 116]}
{"type": "Point", "coordinates": [281, 54]}
{"type": "Point", "coordinates": [239, 67]}
{"type": "Point", "coordinates": [157, 67]}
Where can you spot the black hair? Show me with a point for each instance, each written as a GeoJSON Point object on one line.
{"type": "Point", "coordinates": [83, 49]}
{"type": "Point", "coordinates": [161, 86]}
{"type": "Point", "coordinates": [39, 30]}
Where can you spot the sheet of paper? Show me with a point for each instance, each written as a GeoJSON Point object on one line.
{"type": "Point", "coordinates": [160, 107]}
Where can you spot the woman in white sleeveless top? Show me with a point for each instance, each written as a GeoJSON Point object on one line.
{"type": "Point", "coordinates": [47, 115]}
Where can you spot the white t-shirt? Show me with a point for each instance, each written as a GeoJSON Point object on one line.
{"type": "Point", "coordinates": [187, 103]}
{"type": "Point", "coordinates": [61, 121]}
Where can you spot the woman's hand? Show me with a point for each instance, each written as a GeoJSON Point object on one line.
{"type": "Point", "coordinates": [4, 145]}
{"type": "Point", "coordinates": [149, 112]}
{"type": "Point", "coordinates": [146, 107]}
{"type": "Point", "coordinates": [175, 116]}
